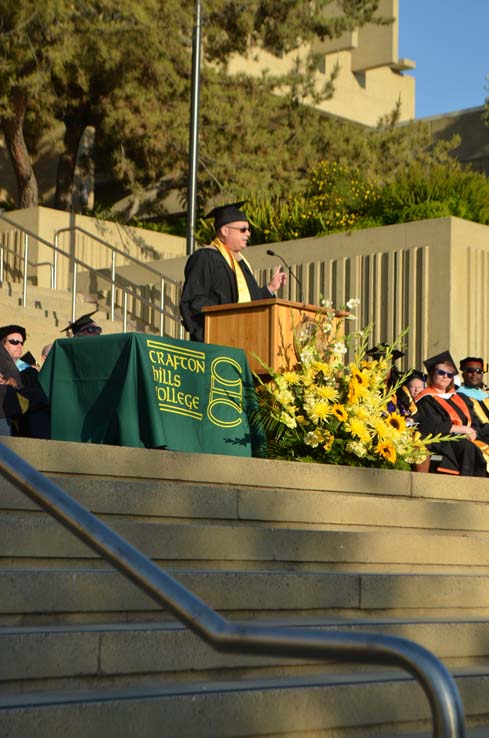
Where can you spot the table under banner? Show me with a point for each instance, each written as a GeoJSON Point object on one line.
{"type": "Point", "coordinates": [136, 389]}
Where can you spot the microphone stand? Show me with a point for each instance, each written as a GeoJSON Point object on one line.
{"type": "Point", "coordinates": [289, 269]}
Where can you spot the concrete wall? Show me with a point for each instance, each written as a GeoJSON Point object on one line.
{"type": "Point", "coordinates": [135, 242]}
{"type": "Point", "coordinates": [370, 79]}
{"type": "Point", "coordinates": [430, 276]}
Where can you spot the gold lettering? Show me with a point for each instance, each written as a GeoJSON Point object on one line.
{"type": "Point", "coordinates": [225, 394]}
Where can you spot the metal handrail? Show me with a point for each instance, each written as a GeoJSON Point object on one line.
{"type": "Point", "coordinates": [76, 261]}
{"type": "Point", "coordinates": [30, 263]}
{"type": "Point", "coordinates": [230, 636]}
{"type": "Point", "coordinates": [114, 250]}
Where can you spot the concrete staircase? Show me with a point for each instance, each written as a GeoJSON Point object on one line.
{"type": "Point", "coordinates": [47, 312]}
{"type": "Point", "coordinates": [84, 653]}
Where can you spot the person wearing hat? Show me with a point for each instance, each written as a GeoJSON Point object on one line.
{"type": "Point", "coordinates": [473, 370]}
{"type": "Point", "coordinates": [13, 338]}
{"type": "Point", "coordinates": [24, 407]}
{"type": "Point", "coordinates": [384, 351]}
{"type": "Point", "coordinates": [219, 273]}
{"type": "Point", "coordinates": [441, 410]}
{"type": "Point", "coordinates": [83, 326]}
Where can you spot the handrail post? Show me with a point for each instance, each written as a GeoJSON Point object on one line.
{"type": "Point", "coordinates": [73, 287]}
{"type": "Point", "coordinates": [24, 281]}
{"type": "Point", "coordinates": [55, 262]}
{"type": "Point", "coordinates": [124, 312]}
{"type": "Point", "coordinates": [1, 262]}
{"type": "Point", "coordinates": [162, 304]}
{"type": "Point", "coordinates": [112, 292]}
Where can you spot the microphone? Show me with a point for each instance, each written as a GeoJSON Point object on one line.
{"type": "Point", "coordinates": [272, 253]}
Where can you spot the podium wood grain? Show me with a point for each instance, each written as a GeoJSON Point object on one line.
{"type": "Point", "coordinates": [262, 327]}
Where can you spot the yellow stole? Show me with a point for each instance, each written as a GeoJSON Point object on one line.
{"type": "Point", "coordinates": [232, 262]}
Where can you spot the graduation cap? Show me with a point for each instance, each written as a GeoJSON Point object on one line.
{"type": "Point", "coordinates": [81, 323]}
{"type": "Point", "coordinates": [380, 351]}
{"type": "Point", "coordinates": [224, 214]}
{"type": "Point", "coordinates": [6, 330]}
{"type": "Point", "coordinates": [28, 358]}
{"type": "Point", "coordinates": [444, 358]}
{"type": "Point", "coordinates": [473, 360]}
{"type": "Point", "coordinates": [414, 374]}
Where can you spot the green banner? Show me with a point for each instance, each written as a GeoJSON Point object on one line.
{"type": "Point", "coordinates": [141, 390]}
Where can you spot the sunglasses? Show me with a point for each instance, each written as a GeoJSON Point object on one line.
{"type": "Point", "coordinates": [443, 373]}
{"type": "Point", "coordinates": [241, 229]}
{"type": "Point", "coordinates": [15, 342]}
{"type": "Point", "coordinates": [473, 370]}
{"type": "Point", "coordinates": [94, 329]}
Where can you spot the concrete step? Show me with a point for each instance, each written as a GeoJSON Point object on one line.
{"type": "Point", "coordinates": [56, 596]}
{"type": "Point", "coordinates": [319, 510]}
{"type": "Point", "coordinates": [332, 705]}
{"type": "Point", "coordinates": [43, 658]}
{"type": "Point", "coordinates": [97, 461]}
{"type": "Point", "coordinates": [47, 312]}
{"type": "Point", "coordinates": [37, 536]}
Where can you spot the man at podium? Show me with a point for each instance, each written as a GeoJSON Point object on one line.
{"type": "Point", "coordinates": [219, 273]}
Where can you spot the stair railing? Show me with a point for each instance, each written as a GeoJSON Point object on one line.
{"type": "Point", "coordinates": [112, 280]}
{"type": "Point", "coordinates": [8, 250]}
{"type": "Point", "coordinates": [230, 636]}
{"type": "Point", "coordinates": [114, 251]}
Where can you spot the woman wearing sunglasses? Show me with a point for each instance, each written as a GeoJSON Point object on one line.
{"type": "Point", "coordinates": [441, 410]}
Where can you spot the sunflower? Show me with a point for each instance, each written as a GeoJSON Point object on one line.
{"type": "Point", "coordinates": [387, 451]}
{"type": "Point", "coordinates": [396, 421]}
{"type": "Point", "coordinates": [339, 412]}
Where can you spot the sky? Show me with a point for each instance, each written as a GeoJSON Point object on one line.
{"type": "Point", "coordinates": [448, 41]}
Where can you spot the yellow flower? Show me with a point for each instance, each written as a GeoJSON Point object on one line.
{"type": "Point", "coordinates": [359, 376]}
{"type": "Point", "coordinates": [291, 377]}
{"type": "Point", "coordinates": [387, 451]}
{"type": "Point", "coordinates": [358, 428]}
{"type": "Point", "coordinates": [329, 440]}
{"type": "Point", "coordinates": [396, 421]}
{"type": "Point", "coordinates": [355, 391]}
{"type": "Point", "coordinates": [320, 410]}
{"type": "Point", "coordinates": [339, 412]}
{"type": "Point", "coordinates": [321, 366]}
{"type": "Point", "coordinates": [328, 393]}
{"type": "Point", "coordinates": [288, 420]}
{"type": "Point", "coordinates": [381, 428]}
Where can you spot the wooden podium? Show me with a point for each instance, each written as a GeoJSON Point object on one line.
{"type": "Point", "coordinates": [262, 327]}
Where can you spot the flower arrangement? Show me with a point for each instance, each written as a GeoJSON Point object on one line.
{"type": "Point", "coordinates": [328, 410]}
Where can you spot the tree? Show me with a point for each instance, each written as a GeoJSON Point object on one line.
{"type": "Point", "coordinates": [124, 68]}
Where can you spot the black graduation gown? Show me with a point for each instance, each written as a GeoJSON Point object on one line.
{"type": "Point", "coordinates": [458, 457]}
{"type": "Point", "coordinates": [210, 281]}
{"type": "Point", "coordinates": [35, 421]}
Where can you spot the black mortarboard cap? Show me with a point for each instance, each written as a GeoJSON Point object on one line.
{"type": "Point", "coordinates": [377, 352]}
{"type": "Point", "coordinates": [415, 374]}
{"type": "Point", "coordinates": [444, 357]}
{"type": "Point", "coordinates": [224, 214]}
{"type": "Point", "coordinates": [80, 323]}
{"type": "Point", "coordinates": [6, 330]}
{"type": "Point", "coordinates": [473, 360]}
{"type": "Point", "coordinates": [29, 359]}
